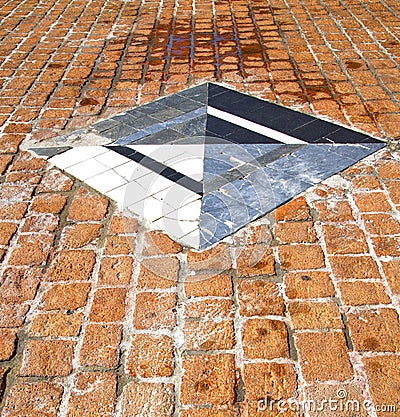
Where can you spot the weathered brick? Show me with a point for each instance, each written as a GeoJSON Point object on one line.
{"type": "Point", "coordinates": [33, 399]}
{"type": "Point", "coordinates": [372, 202]}
{"type": "Point", "coordinates": [388, 169]}
{"type": "Point", "coordinates": [157, 243]}
{"type": "Point", "coordinates": [158, 273]}
{"type": "Point", "coordinates": [148, 399]}
{"type": "Point", "coordinates": [79, 235]}
{"type": "Point", "coordinates": [363, 293]}
{"type": "Point", "coordinates": [393, 188]}
{"type": "Point", "coordinates": [206, 412]}
{"type": "Point", "coordinates": [365, 182]}
{"type": "Point", "coordinates": [47, 358]}
{"type": "Point", "coordinates": [108, 305]}
{"type": "Point", "coordinates": [56, 324]}
{"type": "Point", "coordinates": [315, 315]}
{"type": "Point", "coordinates": [19, 285]}
{"type": "Point", "coordinates": [154, 310]}
{"type": "Point", "coordinates": [276, 380]}
{"type": "Point", "coordinates": [12, 211]}
{"type": "Point", "coordinates": [252, 235]}
{"type": "Point", "coordinates": [310, 284]}
{"type": "Point", "coordinates": [323, 356]}
{"type": "Point", "coordinates": [70, 265]}
{"type": "Point", "coordinates": [12, 315]}
{"type": "Point", "coordinates": [384, 381]}
{"type": "Point", "coordinates": [25, 161]}
{"type": "Point", "coordinates": [94, 395]}
{"type": "Point", "coordinates": [296, 209]}
{"type": "Point", "coordinates": [255, 260]}
{"type": "Point", "coordinates": [392, 273]}
{"type": "Point", "coordinates": [334, 211]}
{"type": "Point", "coordinates": [35, 223]}
{"type": "Point", "coordinates": [209, 308]}
{"type": "Point", "coordinates": [386, 245]}
{"type": "Point", "coordinates": [259, 298]}
{"type": "Point", "coordinates": [265, 339]}
{"type": "Point", "coordinates": [301, 257]}
{"type": "Point", "coordinates": [381, 224]}
{"type": "Point", "coordinates": [119, 245]}
{"type": "Point", "coordinates": [361, 267]}
{"type": "Point", "coordinates": [65, 296]}
{"type": "Point", "coordinates": [7, 231]}
{"type": "Point", "coordinates": [54, 180]}
{"type": "Point", "coordinates": [375, 330]}
{"type": "Point", "coordinates": [121, 224]}
{"type": "Point", "coordinates": [8, 342]}
{"type": "Point", "coordinates": [344, 239]}
{"type": "Point", "coordinates": [115, 270]}
{"type": "Point", "coordinates": [48, 203]}
{"type": "Point", "coordinates": [217, 258]}
{"type": "Point", "coordinates": [208, 379]}
{"type": "Point", "coordinates": [150, 356]}
{"type": "Point", "coordinates": [295, 232]}
{"type": "Point", "coordinates": [86, 206]}
{"type": "Point", "coordinates": [32, 249]}
{"type": "Point", "coordinates": [209, 335]}
{"type": "Point", "coordinates": [100, 345]}
{"type": "Point", "coordinates": [4, 161]}
{"type": "Point", "coordinates": [202, 285]}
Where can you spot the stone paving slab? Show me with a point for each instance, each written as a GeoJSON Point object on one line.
{"type": "Point", "coordinates": [100, 317]}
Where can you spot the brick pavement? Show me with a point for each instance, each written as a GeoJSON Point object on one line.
{"type": "Point", "coordinates": [88, 330]}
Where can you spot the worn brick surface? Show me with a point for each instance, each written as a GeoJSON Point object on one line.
{"type": "Point", "coordinates": [294, 257]}
{"type": "Point", "coordinates": [310, 284]}
{"type": "Point", "coordinates": [8, 339]}
{"type": "Point", "coordinates": [315, 315]}
{"type": "Point", "coordinates": [59, 324]}
{"type": "Point", "coordinates": [65, 296]}
{"type": "Point", "coordinates": [108, 305]}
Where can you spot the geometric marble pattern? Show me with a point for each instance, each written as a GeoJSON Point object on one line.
{"type": "Point", "coordinates": [204, 162]}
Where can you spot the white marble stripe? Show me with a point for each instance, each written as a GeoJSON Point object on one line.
{"type": "Point", "coordinates": [254, 127]}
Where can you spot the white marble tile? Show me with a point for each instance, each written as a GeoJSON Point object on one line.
{"type": "Point", "coordinates": [76, 155]}
{"type": "Point", "coordinates": [106, 181]}
{"type": "Point", "coordinates": [112, 159]}
{"type": "Point", "coordinates": [87, 169]}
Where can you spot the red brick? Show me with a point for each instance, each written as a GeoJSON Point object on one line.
{"type": "Point", "coordinates": [201, 285]}
{"type": "Point", "coordinates": [255, 260]}
{"type": "Point", "coordinates": [8, 342]}
{"type": "Point", "coordinates": [301, 257]}
{"type": "Point", "coordinates": [94, 395]}
{"type": "Point", "coordinates": [18, 285]}
{"type": "Point", "coordinates": [343, 239]}
{"type": "Point", "coordinates": [119, 245]}
{"type": "Point", "coordinates": [23, 178]}
{"type": "Point", "coordinates": [372, 202]}
{"type": "Point", "coordinates": [12, 211]}
{"type": "Point", "coordinates": [295, 232]}
{"type": "Point", "coordinates": [375, 330]}
{"type": "Point", "coordinates": [136, 401]}
{"type": "Point", "coordinates": [22, 192]}
{"type": "Point", "coordinates": [361, 267]}
{"type": "Point", "coordinates": [100, 345]}
{"type": "Point", "coordinates": [310, 284]}
{"type": "Point", "coordinates": [85, 207]}
{"type": "Point", "coordinates": [384, 380]}
{"type": "Point", "coordinates": [33, 399]}
{"type": "Point", "coordinates": [154, 310]}
{"type": "Point", "coordinates": [158, 273]}
{"type": "Point", "coordinates": [7, 231]}
{"type": "Point", "coordinates": [48, 203]}
{"type": "Point", "coordinates": [315, 315]}
{"type": "Point", "coordinates": [54, 180]}
{"type": "Point", "coordinates": [392, 273]}
{"type": "Point", "coordinates": [209, 335]}
{"type": "Point", "coordinates": [65, 296]}
{"type": "Point", "coordinates": [296, 209]}
{"type": "Point", "coordinates": [70, 265]}
{"type": "Point", "coordinates": [334, 211]}
{"type": "Point", "coordinates": [25, 161]}
{"type": "Point", "coordinates": [40, 223]}
{"type": "Point", "coordinates": [122, 224]}
{"type": "Point", "coordinates": [277, 380]}
{"type": "Point", "coordinates": [393, 188]}
{"type": "Point", "coordinates": [265, 339]}
{"type": "Point", "coordinates": [12, 315]}
{"type": "Point", "coordinates": [58, 324]}
{"type": "Point", "coordinates": [252, 235]}
{"type": "Point", "coordinates": [259, 298]}
{"type": "Point", "coordinates": [363, 293]}
{"type": "Point", "coordinates": [323, 356]}
{"type": "Point", "coordinates": [217, 258]}
{"type": "Point", "coordinates": [209, 308]}
{"type": "Point", "coordinates": [206, 412]}
{"type": "Point", "coordinates": [79, 235]}
{"type": "Point", "coordinates": [381, 224]}
{"type": "Point", "coordinates": [157, 243]}
{"type": "Point", "coordinates": [4, 161]}
{"type": "Point", "coordinates": [365, 182]}
{"type": "Point", "coordinates": [150, 356]}
{"type": "Point", "coordinates": [208, 379]}
{"type": "Point", "coordinates": [116, 270]}
{"type": "Point", "coordinates": [47, 358]}
{"type": "Point", "coordinates": [388, 169]}
{"type": "Point", "coordinates": [108, 305]}
{"type": "Point", "coordinates": [386, 245]}
{"type": "Point", "coordinates": [32, 249]}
